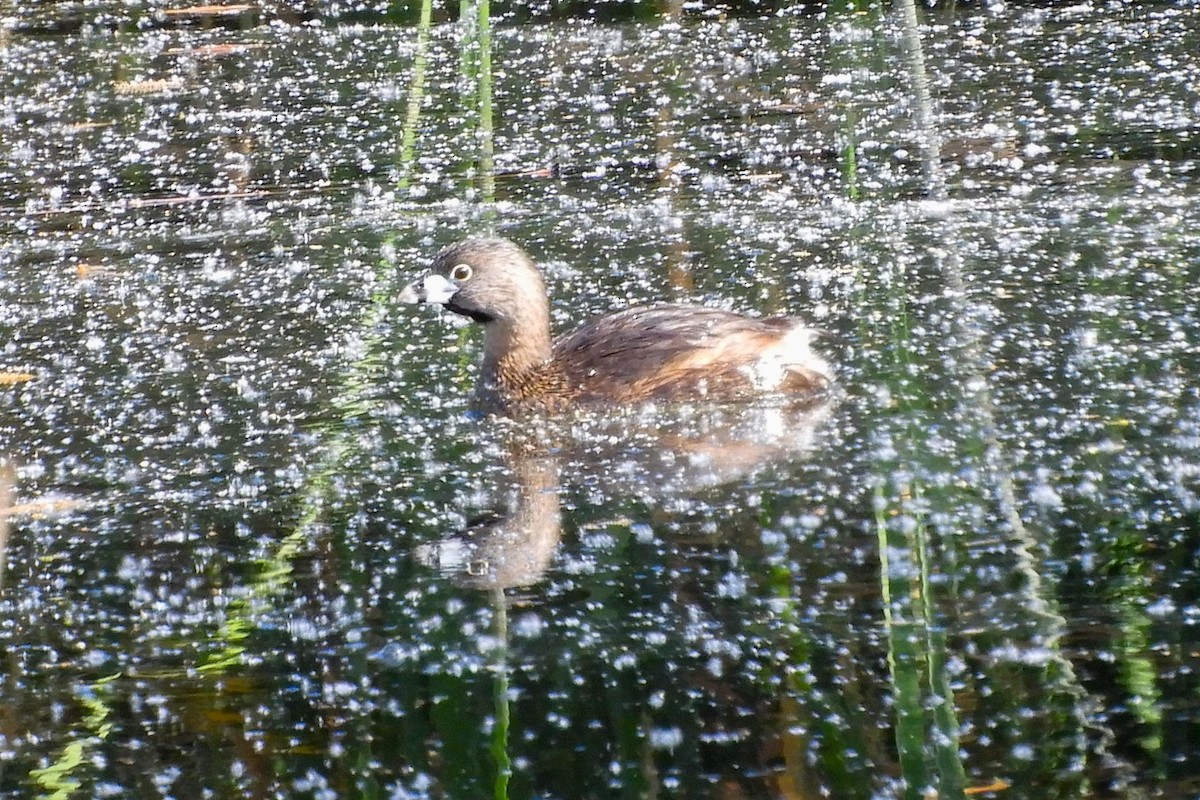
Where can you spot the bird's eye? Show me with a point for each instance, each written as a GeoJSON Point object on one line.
{"type": "Point", "coordinates": [461, 272]}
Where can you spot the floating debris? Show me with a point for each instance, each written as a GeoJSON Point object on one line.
{"type": "Point", "coordinates": [87, 272]}
{"type": "Point", "coordinates": [214, 50]}
{"type": "Point", "coordinates": [79, 127]}
{"type": "Point", "coordinates": [209, 11]}
{"type": "Point", "coordinates": [144, 87]}
{"type": "Point", "coordinates": [43, 507]}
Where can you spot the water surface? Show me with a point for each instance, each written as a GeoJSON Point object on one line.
{"type": "Point", "coordinates": [256, 547]}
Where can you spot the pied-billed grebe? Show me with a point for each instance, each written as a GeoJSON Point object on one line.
{"type": "Point", "coordinates": [664, 352]}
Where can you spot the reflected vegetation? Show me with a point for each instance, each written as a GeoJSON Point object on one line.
{"type": "Point", "coordinates": [252, 544]}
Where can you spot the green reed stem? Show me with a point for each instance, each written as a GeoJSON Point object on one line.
{"type": "Point", "coordinates": [500, 732]}
{"type": "Point", "coordinates": [487, 161]}
{"type": "Point", "coordinates": [416, 95]}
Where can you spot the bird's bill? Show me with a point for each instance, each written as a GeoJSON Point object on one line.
{"type": "Point", "coordinates": [429, 288]}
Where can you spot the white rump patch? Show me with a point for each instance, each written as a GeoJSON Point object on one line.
{"type": "Point", "coordinates": [792, 353]}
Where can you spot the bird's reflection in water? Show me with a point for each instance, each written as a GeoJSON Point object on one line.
{"type": "Point", "coordinates": [651, 454]}
{"type": "Point", "coordinates": [514, 545]}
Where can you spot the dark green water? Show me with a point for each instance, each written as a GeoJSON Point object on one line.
{"type": "Point", "coordinates": [254, 545]}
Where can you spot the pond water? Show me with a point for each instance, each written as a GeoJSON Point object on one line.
{"type": "Point", "coordinates": [254, 545]}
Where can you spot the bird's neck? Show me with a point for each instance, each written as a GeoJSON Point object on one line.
{"type": "Point", "coordinates": [512, 356]}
